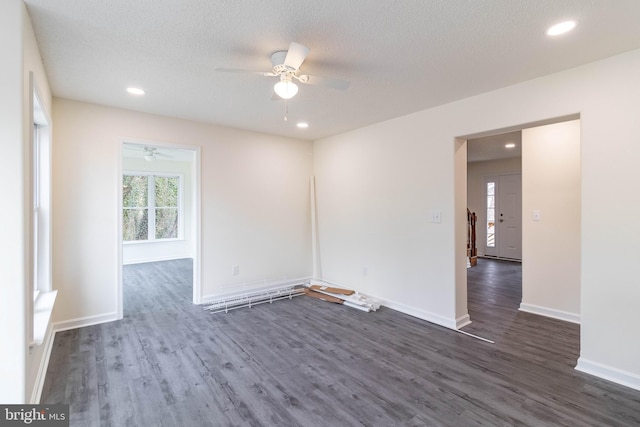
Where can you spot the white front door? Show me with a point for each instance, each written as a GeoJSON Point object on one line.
{"type": "Point", "coordinates": [504, 216]}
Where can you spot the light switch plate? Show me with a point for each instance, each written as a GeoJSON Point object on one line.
{"type": "Point", "coordinates": [537, 216]}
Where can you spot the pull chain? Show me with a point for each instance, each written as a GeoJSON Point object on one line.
{"type": "Point", "coordinates": [286, 110]}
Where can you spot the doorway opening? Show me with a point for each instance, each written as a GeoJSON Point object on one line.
{"type": "Point", "coordinates": [159, 209]}
{"type": "Point", "coordinates": [549, 169]}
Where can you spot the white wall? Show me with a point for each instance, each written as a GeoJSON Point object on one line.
{"type": "Point", "coordinates": [551, 246]}
{"type": "Point", "coordinates": [19, 364]}
{"type": "Point", "coordinates": [376, 187]}
{"type": "Point", "coordinates": [135, 252]}
{"type": "Point", "coordinates": [476, 173]}
{"type": "Point", "coordinates": [255, 204]}
{"type": "Point", "coordinates": [13, 265]}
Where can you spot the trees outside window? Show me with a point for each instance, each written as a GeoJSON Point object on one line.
{"type": "Point", "coordinates": [150, 207]}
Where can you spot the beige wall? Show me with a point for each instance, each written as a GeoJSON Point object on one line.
{"type": "Point", "coordinates": [476, 173]}
{"type": "Point", "coordinates": [20, 364]}
{"type": "Point", "coordinates": [551, 246]}
{"type": "Point", "coordinates": [254, 204]}
{"type": "Point", "coordinates": [376, 188]}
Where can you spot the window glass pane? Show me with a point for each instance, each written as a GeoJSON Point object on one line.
{"type": "Point", "coordinates": [491, 188]}
{"type": "Point", "coordinates": [167, 191]}
{"type": "Point", "coordinates": [491, 215]}
{"type": "Point", "coordinates": [135, 224]}
{"type": "Point", "coordinates": [166, 223]}
{"type": "Point", "coordinates": [134, 191]}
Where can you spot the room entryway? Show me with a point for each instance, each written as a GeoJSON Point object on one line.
{"type": "Point", "coordinates": [159, 204]}
{"type": "Point", "coordinates": [541, 189]}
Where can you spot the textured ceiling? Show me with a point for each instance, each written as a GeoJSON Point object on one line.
{"type": "Point", "coordinates": [493, 147]}
{"type": "Point", "coordinates": [400, 56]}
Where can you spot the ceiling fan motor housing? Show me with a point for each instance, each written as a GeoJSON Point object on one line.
{"type": "Point", "coordinates": [277, 62]}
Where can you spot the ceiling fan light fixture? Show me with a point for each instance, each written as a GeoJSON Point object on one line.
{"type": "Point", "coordinates": [149, 157]}
{"type": "Point", "coordinates": [285, 88]}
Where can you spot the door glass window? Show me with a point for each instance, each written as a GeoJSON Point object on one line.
{"type": "Point", "coordinates": [491, 214]}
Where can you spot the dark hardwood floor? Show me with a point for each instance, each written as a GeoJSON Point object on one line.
{"type": "Point", "coordinates": [309, 363]}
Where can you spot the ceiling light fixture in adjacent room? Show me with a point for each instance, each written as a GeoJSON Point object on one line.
{"type": "Point", "coordinates": [150, 154]}
{"type": "Point", "coordinates": [285, 88]}
{"type": "Point", "coordinates": [303, 125]}
{"type": "Point", "coordinates": [135, 91]}
{"type": "Point", "coordinates": [510, 145]}
{"type": "Point", "coordinates": [561, 28]}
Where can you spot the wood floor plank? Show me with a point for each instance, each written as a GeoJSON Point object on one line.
{"type": "Point", "coordinates": [305, 362]}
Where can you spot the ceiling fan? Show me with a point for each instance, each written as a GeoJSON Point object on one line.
{"type": "Point", "coordinates": [150, 153]}
{"type": "Point", "coordinates": [286, 66]}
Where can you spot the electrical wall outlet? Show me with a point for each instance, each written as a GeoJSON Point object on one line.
{"type": "Point", "coordinates": [436, 217]}
{"type": "Point", "coordinates": [235, 269]}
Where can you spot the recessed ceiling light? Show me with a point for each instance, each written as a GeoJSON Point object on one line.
{"type": "Point", "coordinates": [510, 145]}
{"type": "Point", "coordinates": [303, 125]}
{"type": "Point", "coordinates": [561, 28]}
{"type": "Point", "coordinates": [135, 91]}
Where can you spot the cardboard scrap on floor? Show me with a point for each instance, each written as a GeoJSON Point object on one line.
{"type": "Point", "coordinates": [328, 298]}
{"type": "Point", "coordinates": [343, 296]}
{"type": "Point", "coordinates": [331, 290]}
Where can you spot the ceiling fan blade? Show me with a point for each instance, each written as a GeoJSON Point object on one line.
{"type": "Point", "coordinates": [242, 71]}
{"type": "Point", "coordinates": [325, 81]}
{"type": "Point", "coordinates": [130, 148]}
{"type": "Point", "coordinates": [296, 55]}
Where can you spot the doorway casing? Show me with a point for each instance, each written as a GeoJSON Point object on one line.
{"type": "Point", "coordinates": [460, 209]}
{"type": "Point", "coordinates": [195, 212]}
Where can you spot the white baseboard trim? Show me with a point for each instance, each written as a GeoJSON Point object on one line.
{"type": "Point", "coordinates": [81, 322]}
{"type": "Point", "coordinates": [44, 364]}
{"type": "Point", "coordinates": [234, 291]}
{"type": "Point", "coordinates": [403, 308]}
{"type": "Point", "coordinates": [155, 259]}
{"type": "Point", "coordinates": [463, 321]}
{"type": "Point", "coordinates": [550, 312]}
{"type": "Point", "coordinates": [420, 314]}
{"type": "Point", "coordinates": [618, 376]}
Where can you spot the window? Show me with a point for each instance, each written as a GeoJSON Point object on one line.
{"type": "Point", "coordinates": [41, 306]}
{"type": "Point", "coordinates": [40, 202]}
{"type": "Point", "coordinates": [491, 214]}
{"type": "Point", "coordinates": [150, 207]}
{"type": "Point", "coordinates": [36, 175]}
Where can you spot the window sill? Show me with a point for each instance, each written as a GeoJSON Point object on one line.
{"type": "Point", "coordinates": [42, 310]}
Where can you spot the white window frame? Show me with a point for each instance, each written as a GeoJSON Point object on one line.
{"type": "Point", "coordinates": [41, 283]}
{"type": "Point", "coordinates": [151, 207]}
